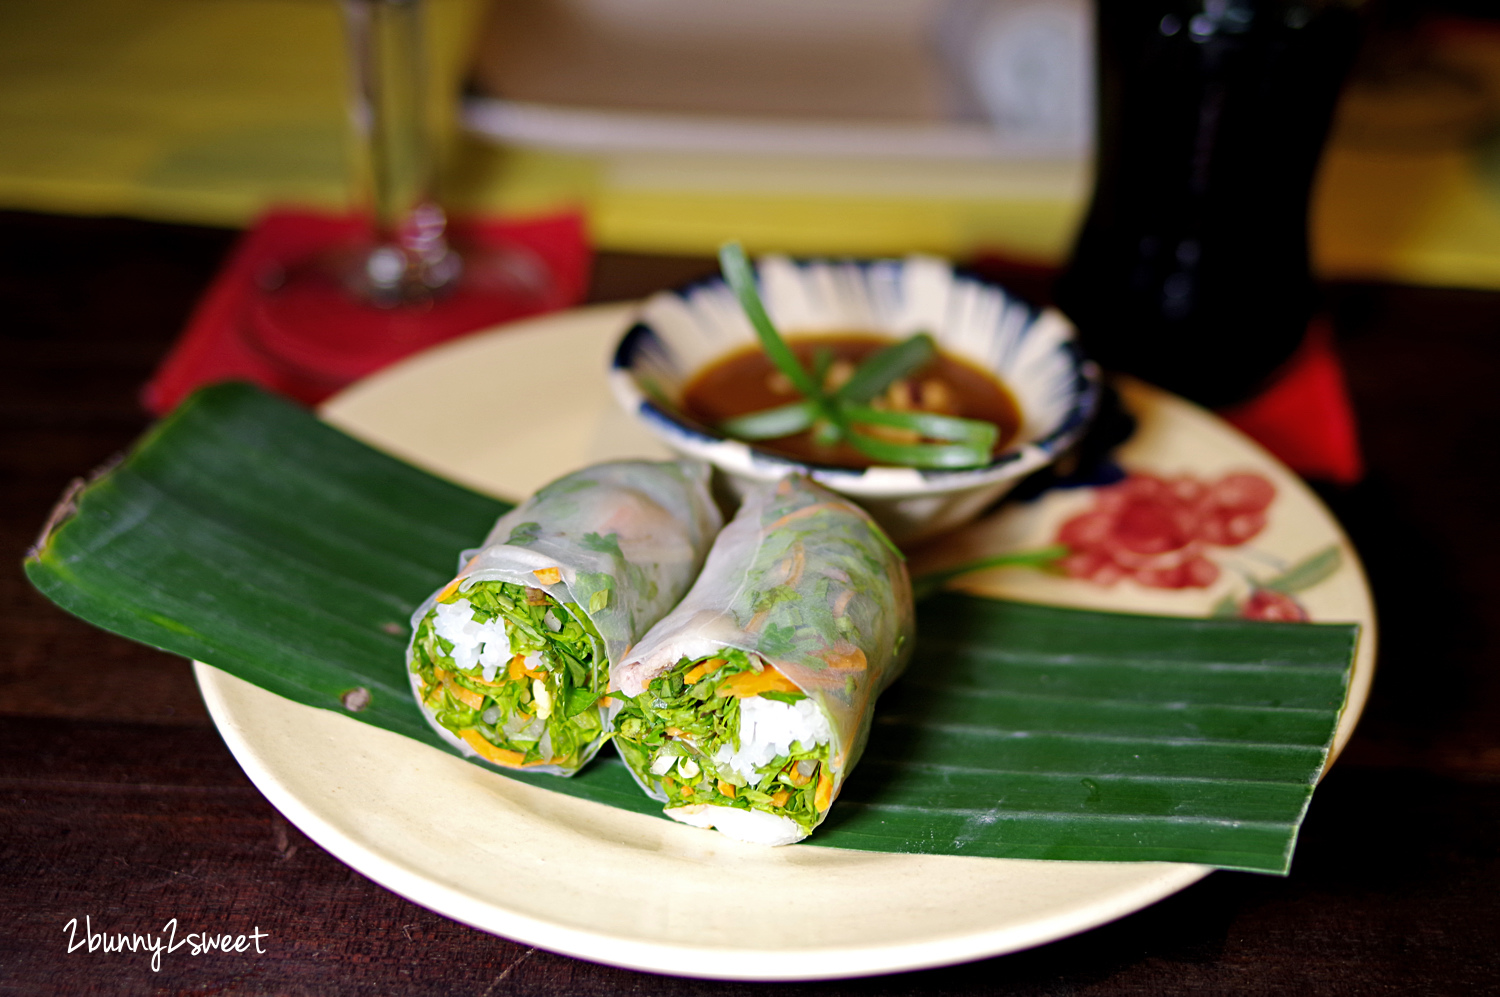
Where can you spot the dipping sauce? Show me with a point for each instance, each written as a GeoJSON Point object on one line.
{"type": "Point", "coordinates": [746, 381]}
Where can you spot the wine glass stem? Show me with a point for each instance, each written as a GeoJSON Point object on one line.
{"type": "Point", "coordinates": [411, 258]}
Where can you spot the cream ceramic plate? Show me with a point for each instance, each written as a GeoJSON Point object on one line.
{"type": "Point", "coordinates": [635, 891]}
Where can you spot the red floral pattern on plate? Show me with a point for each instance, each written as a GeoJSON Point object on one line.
{"type": "Point", "coordinates": [1158, 531]}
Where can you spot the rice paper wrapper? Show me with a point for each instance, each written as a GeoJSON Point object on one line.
{"type": "Point", "coordinates": [626, 539]}
{"type": "Point", "coordinates": [806, 580]}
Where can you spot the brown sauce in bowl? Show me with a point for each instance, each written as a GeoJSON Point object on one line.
{"type": "Point", "coordinates": [746, 381]}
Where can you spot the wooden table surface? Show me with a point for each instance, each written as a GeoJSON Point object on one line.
{"type": "Point", "coordinates": [121, 808]}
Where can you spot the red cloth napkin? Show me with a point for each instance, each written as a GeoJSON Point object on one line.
{"type": "Point", "coordinates": [219, 346]}
{"type": "Point", "coordinates": [1305, 416]}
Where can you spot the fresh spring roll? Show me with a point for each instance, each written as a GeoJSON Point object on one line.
{"type": "Point", "coordinates": [510, 660]}
{"type": "Point", "coordinates": [750, 702]}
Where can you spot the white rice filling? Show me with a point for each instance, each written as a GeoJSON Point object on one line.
{"type": "Point", "coordinates": [484, 644]}
{"type": "Point", "coordinates": [768, 728]}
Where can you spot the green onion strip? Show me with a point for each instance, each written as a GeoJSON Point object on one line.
{"type": "Point", "coordinates": [965, 442]}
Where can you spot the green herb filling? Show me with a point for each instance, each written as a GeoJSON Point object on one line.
{"type": "Point", "coordinates": [671, 733]}
{"type": "Point", "coordinates": [525, 714]}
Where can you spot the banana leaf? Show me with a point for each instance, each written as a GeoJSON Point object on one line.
{"type": "Point", "coordinates": [245, 533]}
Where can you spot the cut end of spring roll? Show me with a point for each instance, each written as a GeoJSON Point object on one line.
{"type": "Point", "coordinates": [745, 707]}
{"type": "Point", "coordinates": [728, 741]}
{"type": "Point", "coordinates": [510, 660]}
{"type": "Point", "coordinates": [508, 673]}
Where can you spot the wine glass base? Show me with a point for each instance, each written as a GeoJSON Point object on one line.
{"type": "Point", "coordinates": [306, 318]}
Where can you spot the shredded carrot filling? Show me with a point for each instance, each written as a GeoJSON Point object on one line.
{"type": "Point", "coordinates": [792, 775]}
{"type": "Point", "coordinates": [450, 588]}
{"type": "Point", "coordinates": [747, 684]}
{"type": "Point", "coordinates": [823, 798]}
{"type": "Point", "coordinates": [517, 668]}
{"type": "Point", "coordinates": [703, 668]}
{"type": "Point", "coordinates": [846, 658]}
{"type": "Point", "coordinates": [468, 697]}
{"type": "Point", "coordinates": [500, 756]}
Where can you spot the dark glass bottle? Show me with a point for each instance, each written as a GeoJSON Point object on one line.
{"type": "Point", "coordinates": [1191, 269]}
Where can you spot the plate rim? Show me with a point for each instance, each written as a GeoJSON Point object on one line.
{"type": "Point", "coordinates": [693, 961]}
{"type": "Point", "coordinates": [699, 960]}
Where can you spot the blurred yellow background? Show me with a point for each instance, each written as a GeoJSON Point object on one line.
{"type": "Point", "coordinates": [211, 110]}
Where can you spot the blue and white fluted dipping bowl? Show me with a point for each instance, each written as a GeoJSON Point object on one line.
{"type": "Point", "coordinates": [1034, 353]}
